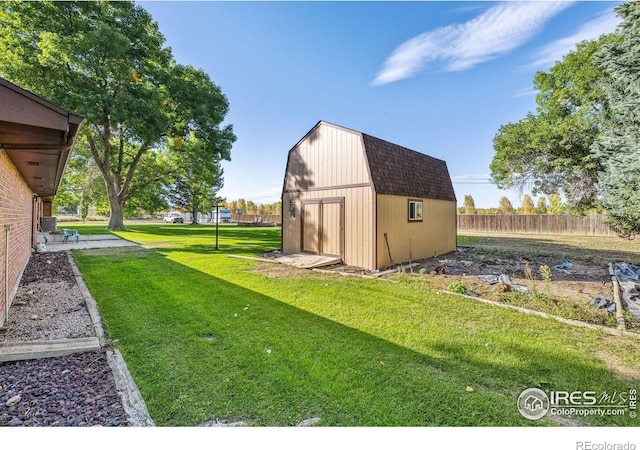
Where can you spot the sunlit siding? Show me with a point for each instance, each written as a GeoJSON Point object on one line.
{"type": "Point", "coordinates": [330, 163]}
{"type": "Point", "coordinates": [327, 157]}
{"type": "Point", "coordinates": [435, 235]}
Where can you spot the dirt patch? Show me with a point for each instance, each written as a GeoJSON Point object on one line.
{"type": "Point", "coordinates": [48, 304]}
{"type": "Point", "coordinates": [617, 366]}
{"type": "Point", "coordinates": [581, 281]}
{"type": "Point", "coordinates": [52, 266]}
{"type": "Point", "coordinates": [276, 270]}
{"type": "Point", "coordinates": [553, 284]}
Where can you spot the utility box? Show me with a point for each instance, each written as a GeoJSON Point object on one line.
{"type": "Point", "coordinates": [48, 224]}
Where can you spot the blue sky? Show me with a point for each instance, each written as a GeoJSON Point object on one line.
{"type": "Point", "coordinates": [437, 77]}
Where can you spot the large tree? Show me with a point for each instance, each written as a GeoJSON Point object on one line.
{"type": "Point", "coordinates": [197, 177]}
{"type": "Point", "coordinates": [549, 151]}
{"type": "Point", "coordinates": [106, 61]}
{"type": "Point", "coordinates": [618, 145]}
{"type": "Point", "coordinates": [81, 185]}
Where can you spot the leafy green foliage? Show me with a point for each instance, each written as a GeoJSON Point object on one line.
{"type": "Point", "coordinates": [148, 191]}
{"type": "Point", "coordinates": [549, 151]}
{"type": "Point", "coordinates": [618, 145]}
{"type": "Point", "coordinates": [541, 207]}
{"type": "Point", "coordinates": [82, 186]}
{"type": "Point", "coordinates": [458, 287]}
{"type": "Point", "coordinates": [106, 61]}
{"type": "Point", "coordinates": [197, 176]}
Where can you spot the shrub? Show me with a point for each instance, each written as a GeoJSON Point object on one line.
{"type": "Point", "coordinates": [457, 287]}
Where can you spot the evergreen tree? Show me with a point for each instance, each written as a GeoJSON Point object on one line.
{"type": "Point", "coordinates": [618, 146]}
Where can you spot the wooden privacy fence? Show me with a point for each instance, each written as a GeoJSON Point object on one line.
{"type": "Point", "coordinates": [252, 218]}
{"type": "Point", "coordinates": [593, 225]}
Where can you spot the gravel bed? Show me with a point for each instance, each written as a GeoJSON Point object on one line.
{"type": "Point", "coordinates": [48, 304]}
{"type": "Point", "coordinates": [75, 390]}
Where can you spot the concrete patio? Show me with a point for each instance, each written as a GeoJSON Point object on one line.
{"type": "Point", "coordinates": [55, 242]}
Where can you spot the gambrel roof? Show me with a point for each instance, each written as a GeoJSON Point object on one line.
{"type": "Point", "coordinates": [397, 170]}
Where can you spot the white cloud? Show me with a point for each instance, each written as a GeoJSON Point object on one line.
{"type": "Point", "coordinates": [472, 179]}
{"type": "Point", "coordinates": [546, 56]}
{"type": "Point", "coordinates": [525, 92]}
{"type": "Point", "coordinates": [462, 46]}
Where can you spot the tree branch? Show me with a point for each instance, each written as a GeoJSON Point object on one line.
{"type": "Point", "coordinates": [124, 191]}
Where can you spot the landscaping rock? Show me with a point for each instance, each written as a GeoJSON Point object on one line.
{"type": "Point", "coordinates": [309, 422]}
{"type": "Point", "coordinates": [36, 393]}
{"type": "Point", "coordinates": [13, 401]}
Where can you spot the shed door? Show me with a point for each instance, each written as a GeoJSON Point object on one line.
{"type": "Point", "coordinates": [331, 233]}
{"type": "Point", "coordinates": [310, 227]}
{"type": "Point", "coordinates": [323, 226]}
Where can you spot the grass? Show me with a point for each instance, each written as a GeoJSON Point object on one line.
{"type": "Point", "coordinates": [207, 336]}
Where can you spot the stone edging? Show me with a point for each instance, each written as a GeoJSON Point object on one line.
{"type": "Point", "coordinates": [90, 302]}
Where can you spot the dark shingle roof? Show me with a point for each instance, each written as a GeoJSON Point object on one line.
{"type": "Point", "coordinates": [397, 170]}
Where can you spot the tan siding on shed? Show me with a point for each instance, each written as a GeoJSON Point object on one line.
{"type": "Point", "coordinates": [358, 223]}
{"type": "Point", "coordinates": [330, 163]}
{"type": "Point", "coordinates": [435, 235]}
{"type": "Point", "coordinates": [327, 157]}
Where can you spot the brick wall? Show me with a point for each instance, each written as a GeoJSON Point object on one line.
{"type": "Point", "coordinates": [16, 210]}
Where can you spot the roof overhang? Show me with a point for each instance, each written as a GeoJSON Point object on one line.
{"type": "Point", "coordinates": [37, 136]}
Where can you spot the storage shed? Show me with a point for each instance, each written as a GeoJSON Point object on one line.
{"type": "Point", "coordinates": [368, 201]}
{"type": "Point", "coordinates": [36, 138]}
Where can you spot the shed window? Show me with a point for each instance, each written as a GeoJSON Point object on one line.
{"type": "Point", "coordinates": [415, 209]}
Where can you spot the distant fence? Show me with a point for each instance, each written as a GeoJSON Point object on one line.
{"type": "Point", "coordinates": [252, 218]}
{"type": "Point", "coordinates": [593, 225]}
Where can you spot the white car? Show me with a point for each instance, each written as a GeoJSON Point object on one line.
{"type": "Point", "coordinates": [173, 218]}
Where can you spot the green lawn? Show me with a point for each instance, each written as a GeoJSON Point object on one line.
{"type": "Point", "coordinates": [207, 336]}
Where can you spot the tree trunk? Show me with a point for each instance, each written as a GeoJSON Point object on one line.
{"type": "Point", "coordinates": [194, 216]}
{"type": "Point", "coordinates": [116, 219]}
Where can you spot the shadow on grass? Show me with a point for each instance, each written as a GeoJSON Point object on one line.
{"type": "Point", "coordinates": [201, 347]}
